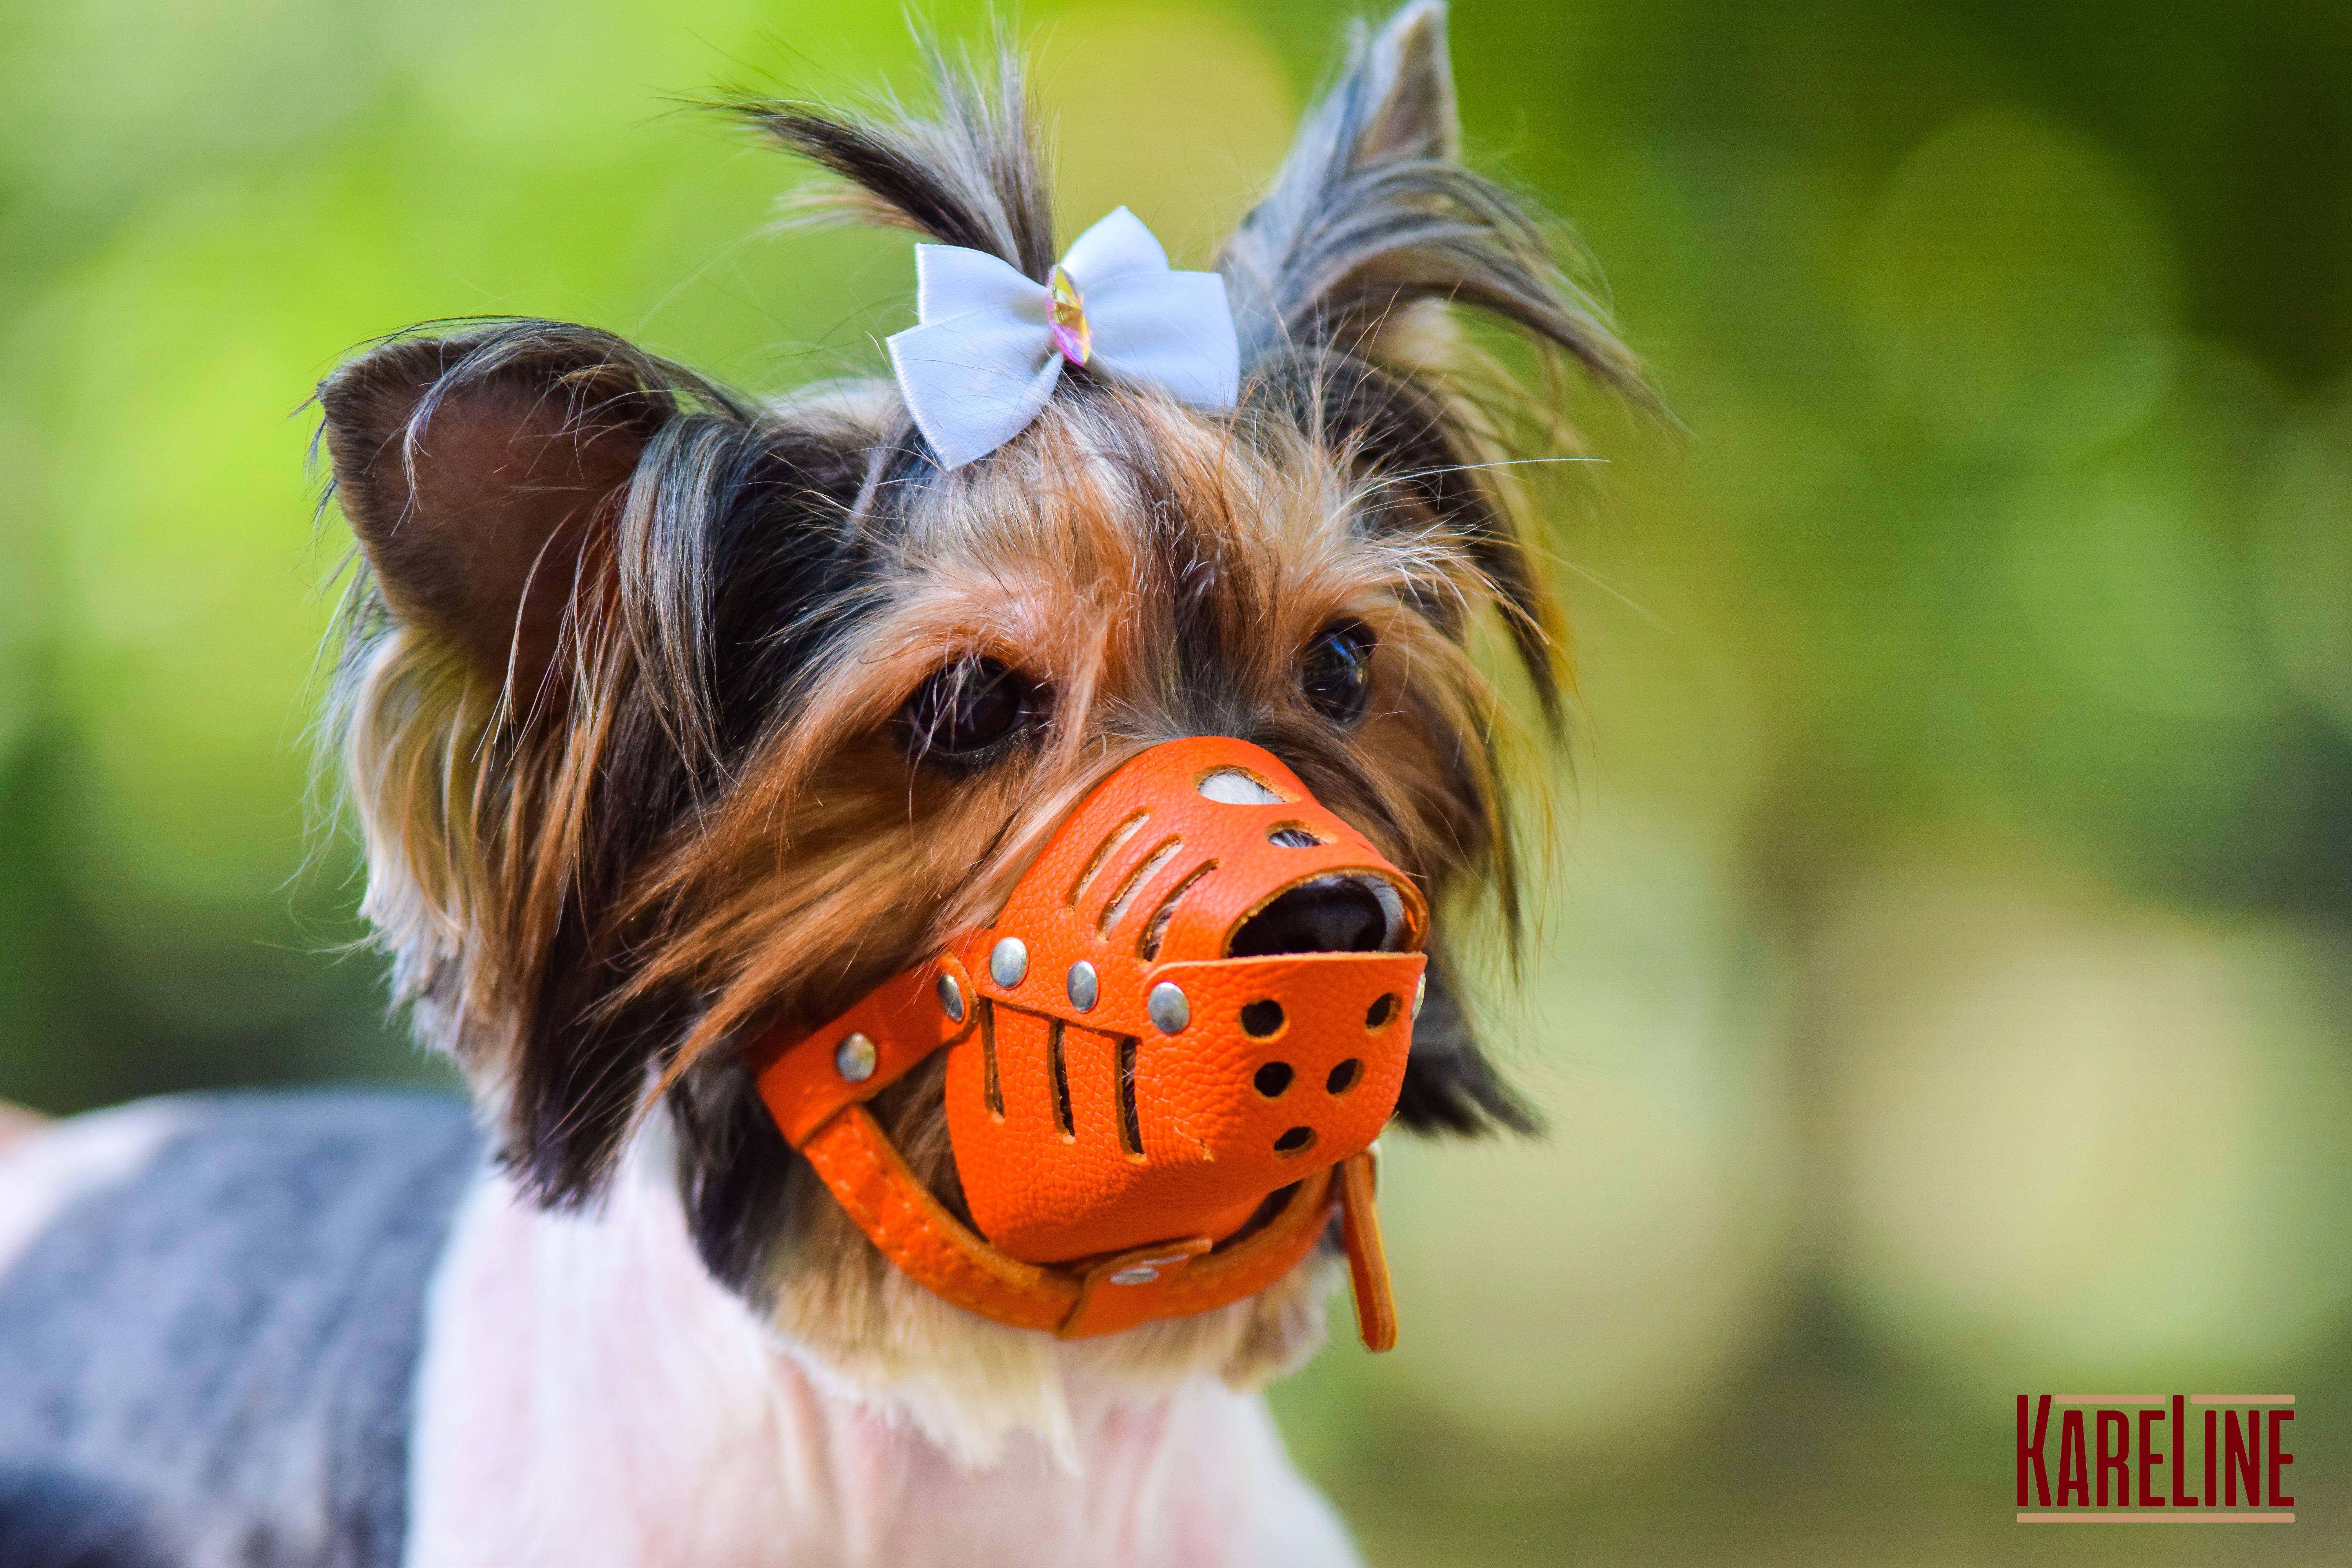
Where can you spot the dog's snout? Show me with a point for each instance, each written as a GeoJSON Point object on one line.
{"type": "Point", "coordinates": [1330, 914]}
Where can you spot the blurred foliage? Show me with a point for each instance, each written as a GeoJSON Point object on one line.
{"type": "Point", "coordinates": [1944, 991]}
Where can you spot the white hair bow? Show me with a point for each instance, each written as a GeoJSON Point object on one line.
{"type": "Point", "coordinates": [991, 342]}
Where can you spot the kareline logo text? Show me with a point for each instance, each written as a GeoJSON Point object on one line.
{"type": "Point", "coordinates": [2118, 1459]}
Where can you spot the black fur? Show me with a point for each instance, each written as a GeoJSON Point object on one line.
{"type": "Point", "coordinates": [972, 175]}
{"type": "Point", "coordinates": [55, 1517]}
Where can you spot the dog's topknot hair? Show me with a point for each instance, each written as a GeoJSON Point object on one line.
{"type": "Point", "coordinates": [970, 174]}
{"type": "Point", "coordinates": [1372, 211]}
{"type": "Point", "coordinates": [1340, 278]}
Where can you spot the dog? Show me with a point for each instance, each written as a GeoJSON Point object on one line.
{"type": "Point", "coordinates": [691, 739]}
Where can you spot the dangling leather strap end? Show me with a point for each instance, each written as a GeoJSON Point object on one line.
{"type": "Point", "coordinates": [1368, 1259]}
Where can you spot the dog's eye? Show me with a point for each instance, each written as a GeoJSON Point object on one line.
{"type": "Point", "coordinates": [1337, 672]}
{"type": "Point", "coordinates": [960, 715]}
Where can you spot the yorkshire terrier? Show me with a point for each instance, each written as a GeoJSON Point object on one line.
{"type": "Point", "coordinates": [888, 1144]}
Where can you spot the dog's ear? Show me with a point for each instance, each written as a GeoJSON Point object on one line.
{"type": "Point", "coordinates": [476, 469]}
{"type": "Point", "coordinates": [1408, 82]}
{"type": "Point", "coordinates": [1373, 214]}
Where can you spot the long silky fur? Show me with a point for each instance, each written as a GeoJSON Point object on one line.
{"type": "Point", "coordinates": [599, 886]}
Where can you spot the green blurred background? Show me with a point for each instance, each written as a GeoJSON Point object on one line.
{"type": "Point", "coordinates": [1943, 988]}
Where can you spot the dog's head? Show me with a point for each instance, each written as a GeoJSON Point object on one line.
{"type": "Point", "coordinates": [669, 714]}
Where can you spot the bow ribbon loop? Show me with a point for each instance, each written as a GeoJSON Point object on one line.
{"type": "Point", "coordinates": [993, 341]}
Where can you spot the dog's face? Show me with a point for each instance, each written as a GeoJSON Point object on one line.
{"type": "Point", "coordinates": [669, 715]}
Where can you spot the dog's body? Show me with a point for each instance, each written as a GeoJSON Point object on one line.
{"type": "Point", "coordinates": [319, 1329]}
{"type": "Point", "coordinates": [676, 723]}
{"type": "Point", "coordinates": [263, 1331]}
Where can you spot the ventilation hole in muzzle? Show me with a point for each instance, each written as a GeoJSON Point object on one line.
{"type": "Point", "coordinates": [1262, 1020]}
{"type": "Point", "coordinates": [1329, 914]}
{"type": "Point", "coordinates": [1131, 1128]}
{"type": "Point", "coordinates": [1156, 933]}
{"type": "Point", "coordinates": [1266, 1212]}
{"type": "Point", "coordinates": [1272, 1080]}
{"type": "Point", "coordinates": [1298, 1141]}
{"type": "Point", "coordinates": [1061, 1073]}
{"type": "Point", "coordinates": [1104, 851]}
{"type": "Point", "coordinates": [1377, 1015]}
{"type": "Point", "coordinates": [1113, 911]}
{"type": "Point", "coordinates": [1231, 787]}
{"type": "Point", "coordinates": [991, 1087]}
{"type": "Point", "coordinates": [1343, 1076]}
{"type": "Point", "coordinates": [1291, 836]}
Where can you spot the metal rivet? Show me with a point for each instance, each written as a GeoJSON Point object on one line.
{"type": "Point", "coordinates": [856, 1057]}
{"type": "Point", "coordinates": [1168, 1007]}
{"type": "Point", "coordinates": [950, 998]}
{"type": "Point", "coordinates": [1008, 961]}
{"type": "Point", "coordinates": [1420, 995]}
{"type": "Point", "coordinates": [1135, 1277]}
{"type": "Point", "coordinates": [1083, 985]}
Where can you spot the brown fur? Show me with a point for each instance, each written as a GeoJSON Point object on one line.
{"type": "Point", "coordinates": [617, 706]}
{"type": "Point", "coordinates": [1074, 558]}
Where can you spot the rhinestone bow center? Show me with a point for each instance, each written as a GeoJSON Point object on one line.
{"type": "Point", "coordinates": [1066, 310]}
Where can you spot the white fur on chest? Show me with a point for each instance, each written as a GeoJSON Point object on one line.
{"type": "Point", "coordinates": [591, 1398]}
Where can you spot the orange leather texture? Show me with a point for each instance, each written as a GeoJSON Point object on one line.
{"type": "Point", "coordinates": [1147, 833]}
{"type": "Point", "coordinates": [912, 1228]}
{"type": "Point", "coordinates": [919, 1234]}
{"type": "Point", "coordinates": [1084, 1129]}
{"type": "Point", "coordinates": [1195, 1148]}
{"type": "Point", "coordinates": [800, 1075]}
{"type": "Point", "coordinates": [1218, 1278]}
{"type": "Point", "coordinates": [1104, 1151]}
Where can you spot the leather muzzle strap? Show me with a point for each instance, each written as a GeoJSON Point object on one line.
{"type": "Point", "coordinates": [899, 1215]}
{"type": "Point", "coordinates": [822, 1113]}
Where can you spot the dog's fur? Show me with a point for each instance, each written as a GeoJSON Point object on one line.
{"type": "Point", "coordinates": [619, 708]}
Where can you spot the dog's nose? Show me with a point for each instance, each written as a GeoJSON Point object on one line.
{"type": "Point", "coordinates": [1330, 914]}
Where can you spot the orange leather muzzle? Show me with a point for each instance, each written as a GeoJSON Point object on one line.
{"type": "Point", "coordinates": [1144, 1124]}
